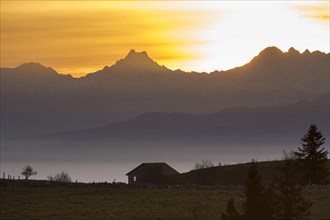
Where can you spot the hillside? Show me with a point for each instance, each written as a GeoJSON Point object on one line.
{"type": "Point", "coordinates": [230, 174]}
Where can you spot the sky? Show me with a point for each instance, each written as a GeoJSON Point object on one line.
{"type": "Point", "coordinates": [80, 37]}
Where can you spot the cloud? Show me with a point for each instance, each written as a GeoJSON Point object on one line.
{"type": "Point", "coordinates": [318, 12]}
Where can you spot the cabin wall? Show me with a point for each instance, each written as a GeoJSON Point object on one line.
{"type": "Point", "coordinates": [150, 175]}
{"type": "Point", "coordinates": [135, 177]}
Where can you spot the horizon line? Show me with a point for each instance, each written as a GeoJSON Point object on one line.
{"type": "Point", "coordinates": [178, 69]}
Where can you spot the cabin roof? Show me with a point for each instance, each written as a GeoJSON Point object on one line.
{"type": "Point", "coordinates": [152, 166]}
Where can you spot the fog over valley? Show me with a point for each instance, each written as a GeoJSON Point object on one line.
{"type": "Point", "coordinates": [100, 126]}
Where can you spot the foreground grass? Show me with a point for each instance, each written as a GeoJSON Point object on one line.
{"type": "Point", "coordinates": [107, 203]}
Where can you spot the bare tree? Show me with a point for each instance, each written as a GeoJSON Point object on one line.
{"type": "Point", "coordinates": [203, 164]}
{"type": "Point", "coordinates": [60, 177]}
{"type": "Point", "coordinates": [28, 171]}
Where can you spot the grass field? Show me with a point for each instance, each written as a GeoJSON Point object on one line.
{"type": "Point", "coordinates": [109, 203]}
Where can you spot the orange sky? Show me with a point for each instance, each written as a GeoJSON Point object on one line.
{"type": "Point", "coordinates": [79, 37]}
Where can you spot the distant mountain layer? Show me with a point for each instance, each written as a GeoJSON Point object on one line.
{"type": "Point", "coordinates": [234, 126]}
{"type": "Point", "coordinates": [36, 99]}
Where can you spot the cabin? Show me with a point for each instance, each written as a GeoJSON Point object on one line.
{"type": "Point", "coordinates": [151, 173]}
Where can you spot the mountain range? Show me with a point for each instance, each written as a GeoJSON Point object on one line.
{"type": "Point", "coordinates": [36, 99]}
{"type": "Point", "coordinates": [281, 124]}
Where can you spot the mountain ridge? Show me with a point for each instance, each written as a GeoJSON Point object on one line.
{"type": "Point", "coordinates": [280, 121]}
{"type": "Point", "coordinates": [39, 103]}
{"type": "Point", "coordinates": [133, 59]}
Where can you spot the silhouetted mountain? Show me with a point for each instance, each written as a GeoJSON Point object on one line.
{"type": "Point", "coordinates": [35, 68]}
{"type": "Point", "coordinates": [135, 61]}
{"type": "Point", "coordinates": [134, 65]}
{"type": "Point", "coordinates": [31, 70]}
{"type": "Point", "coordinates": [237, 126]}
{"type": "Point", "coordinates": [35, 99]}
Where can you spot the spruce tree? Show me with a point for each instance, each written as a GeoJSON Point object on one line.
{"type": "Point", "coordinates": [257, 205]}
{"type": "Point", "coordinates": [312, 157]}
{"type": "Point", "coordinates": [290, 203]}
{"type": "Point", "coordinates": [231, 211]}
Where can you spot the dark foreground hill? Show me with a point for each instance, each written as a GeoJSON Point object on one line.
{"type": "Point", "coordinates": [222, 175]}
{"type": "Point", "coordinates": [228, 174]}
{"type": "Point", "coordinates": [231, 174]}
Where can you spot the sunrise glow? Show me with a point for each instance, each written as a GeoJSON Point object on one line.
{"type": "Point", "coordinates": [79, 37]}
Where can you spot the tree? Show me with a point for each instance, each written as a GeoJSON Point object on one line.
{"type": "Point", "coordinates": [60, 177]}
{"type": "Point", "coordinates": [257, 204]}
{"type": "Point", "coordinates": [290, 203]}
{"type": "Point", "coordinates": [204, 164]}
{"type": "Point", "coordinates": [28, 171]}
{"type": "Point", "coordinates": [312, 157]}
{"type": "Point", "coordinates": [231, 211]}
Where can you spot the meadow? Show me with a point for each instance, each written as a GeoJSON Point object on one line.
{"type": "Point", "coordinates": [124, 204]}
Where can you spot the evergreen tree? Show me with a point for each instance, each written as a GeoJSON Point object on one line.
{"type": "Point", "coordinates": [312, 157]}
{"type": "Point", "coordinates": [290, 203]}
{"type": "Point", "coordinates": [231, 211]}
{"type": "Point", "coordinates": [257, 205]}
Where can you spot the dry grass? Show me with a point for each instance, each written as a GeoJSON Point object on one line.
{"type": "Point", "coordinates": [107, 203]}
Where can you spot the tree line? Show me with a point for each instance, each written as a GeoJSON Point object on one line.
{"type": "Point", "coordinates": [283, 198]}
{"type": "Point", "coordinates": [59, 177]}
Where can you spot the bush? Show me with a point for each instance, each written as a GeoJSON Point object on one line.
{"type": "Point", "coordinates": [60, 177]}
